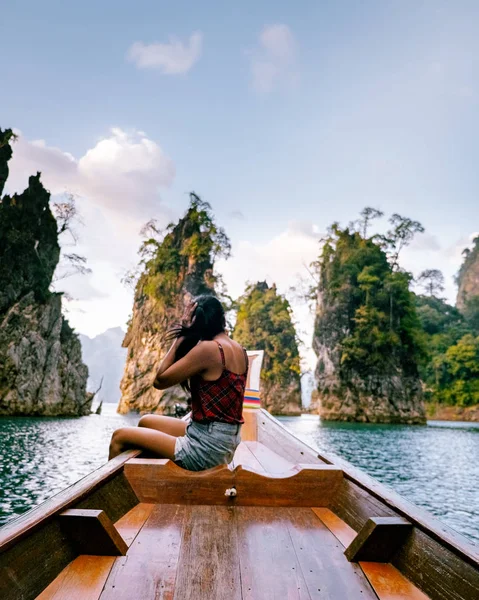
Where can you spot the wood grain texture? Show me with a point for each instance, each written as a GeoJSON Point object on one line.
{"type": "Point", "coordinates": [249, 428]}
{"type": "Point", "coordinates": [72, 496]}
{"type": "Point", "coordinates": [29, 566]}
{"type": "Point", "coordinates": [389, 583]}
{"type": "Point", "coordinates": [148, 571]}
{"type": "Point", "coordinates": [208, 567]}
{"type": "Point", "coordinates": [437, 571]}
{"type": "Point", "coordinates": [162, 481]}
{"type": "Point", "coordinates": [327, 572]}
{"type": "Point", "coordinates": [337, 526]}
{"type": "Point", "coordinates": [116, 498]}
{"type": "Point", "coordinates": [82, 579]}
{"type": "Point", "coordinates": [92, 532]}
{"type": "Point", "coordinates": [379, 539]}
{"type": "Point", "coordinates": [130, 524]}
{"type": "Point", "coordinates": [388, 503]}
{"type": "Point", "coordinates": [270, 461]}
{"type": "Point", "coordinates": [268, 562]}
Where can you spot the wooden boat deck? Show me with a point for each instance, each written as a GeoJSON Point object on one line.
{"type": "Point", "coordinates": [188, 551]}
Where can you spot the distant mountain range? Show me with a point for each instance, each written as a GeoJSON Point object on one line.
{"type": "Point", "coordinates": [105, 359]}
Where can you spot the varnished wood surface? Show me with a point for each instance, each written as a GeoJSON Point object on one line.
{"type": "Point", "coordinates": [220, 553]}
{"type": "Point", "coordinates": [160, 480]}
{"type": "Point", "coordinates": [337, 526]}
{"type": "Point", "coordinates": [82, 579]}
{"type": "Point", "coordinates": [92, 532]}
{"type": "Point", "coordinates": [149, 570]}
{"type": "Point", "coordinates": [208, 566]}
{"type": "Point", "coordinates": [26, 523]}
{"type": "Point", "coordinates": [379, 539]}
{"type": "Point", "coordinates": [130, 524]}
{"type": "Point", "coordinates": [389, 584]}
{"type": "Point", "coordinates": [388, 503]}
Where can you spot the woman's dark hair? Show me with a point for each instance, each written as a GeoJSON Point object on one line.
{"type": "Point", "coordinates": [208, 320]}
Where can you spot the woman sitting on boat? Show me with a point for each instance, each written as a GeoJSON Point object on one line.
{"type": "Point", "coordinates": [213, 367]}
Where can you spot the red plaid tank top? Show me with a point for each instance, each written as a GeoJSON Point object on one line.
{"type": "Point", "coordinates": [221, 399]}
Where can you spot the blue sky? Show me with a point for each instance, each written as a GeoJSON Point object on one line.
{"type": "Point", "coordinates": [295, 114]}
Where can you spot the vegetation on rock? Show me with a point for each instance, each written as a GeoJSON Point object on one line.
{"type": "Point", "coordinates": [367, 333]}
{"type": "Point", "coordinates": [175, 265]}
{"type": "Point", "coordinates": [264, 322]}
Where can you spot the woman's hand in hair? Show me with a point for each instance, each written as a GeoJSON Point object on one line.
{"type": "Point", "coordinates": [189, 314]}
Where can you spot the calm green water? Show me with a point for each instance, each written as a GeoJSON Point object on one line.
{"type": "Point", "coordinates": [436, 467]}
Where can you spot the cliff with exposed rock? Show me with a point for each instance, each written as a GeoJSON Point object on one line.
{"type": "Point", "coordinates": [41, 368]}
{"type": "Point", "coordinates": [176, 267]}
{"type": "Point", "coordinates": [366, 336]}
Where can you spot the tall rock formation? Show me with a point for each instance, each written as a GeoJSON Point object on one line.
{"type": "Point", "coordinates": [468, 277]}
{"type": "Point", "coordinates": [264, 323]}
{"type": "Point", "coordinates": [41, 369]}
{"type": "Point", "coordinates": [177, 267]}
{"type": "Point", "coordinates": [366, 335]}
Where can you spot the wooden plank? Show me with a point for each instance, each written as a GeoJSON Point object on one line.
{"type": "Point", "coordinates": [249, 428]}
{"type": "Point", "coordinates": [149, 569]}
{"type": "Point", "coordinates": [92, 532]}
{"type": "Point", "coordinates": [307, 485]}
{"type": "Point", "coordinates": [436, 570]}
{"type": "Point", "coordinates": [268, 563]}
{"type": "Point", "coordinates": [28, 567]}
{"type": "Point", "coordinates": [82, 579]}
{"type": "Point", "coordinates": [379, 539]}
{"type": "Point", "coordinates": [32, 519]}
{"type": "Point", "coordinates": [337, 526]}
{"type": "Point", "coordinates": [269, 460]}
{"type": "Point", "coordinates": [208, 567]}
{"type": "Point", "coordinates": [244, 457]}
{"type": "Point", "coordinates": [326, 571]}
{"type": "Point", "coordinates": [273, 434]}
{"type": "Point", "coordinates": [161, 481]}
{"type": "Point", "coordinates": [30, 561]}
{"type": "Point", "coordinates": [130, 524]}
{"type": "Point", "coordinates": [389, 583]}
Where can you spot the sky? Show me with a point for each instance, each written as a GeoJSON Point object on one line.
{"type": "Point", "coordinates": [284, 116]}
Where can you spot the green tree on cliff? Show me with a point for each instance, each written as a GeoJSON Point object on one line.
{"type": "Point", "coordinates": [264, 322]}
{"type": "Point", "coordinates": [180, 260]}
{"type": "Point", "coordinates": [370, 301]}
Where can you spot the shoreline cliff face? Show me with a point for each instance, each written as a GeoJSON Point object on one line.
{"type": "Point", "coordinates": [41, 368]}
{"type": "Point", "coordinates": [264, 323]}
{"type": "Point", "coordinates": [364, 336]}
{"type": "Point", "coordinates": [468, 277]}
{"type": "Point", "coordinates": [180, 267]}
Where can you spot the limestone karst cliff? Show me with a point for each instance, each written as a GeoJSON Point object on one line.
{"type": "Point", "coordinates": [176, 267]}
{"type": "Point", "coordinates": [264, 322]}
{"type": "Point", "coordinates": [468, 278]}
{"type": "Point", "coordinates": [365, 335]}
{"type": "Point", "coordinates": [41, 368]}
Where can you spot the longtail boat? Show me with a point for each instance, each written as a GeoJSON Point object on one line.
{"type": "Point", "coordinates": [282, 521]}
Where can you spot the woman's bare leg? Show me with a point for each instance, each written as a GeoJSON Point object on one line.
{"type": "Point", "coordinates": [169, 425]}
{"type": "Point", "coordinates": [161, 444]}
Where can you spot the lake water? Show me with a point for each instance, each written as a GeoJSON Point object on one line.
{"type": "Point", "coordinates": [436, 467]}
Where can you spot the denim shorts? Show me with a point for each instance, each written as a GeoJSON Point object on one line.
{"type": "Point", "coordinates": [207, 445]}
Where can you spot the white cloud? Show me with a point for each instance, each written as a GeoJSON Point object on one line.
{"type": "Point", "coordinates": [172, 58]}
{"type": "Point", "coordinates": [116, 183]}
{"type": "Point", "coordinates": [122, 172]}
{"type": "Point", "coordinates": [274, 61]}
